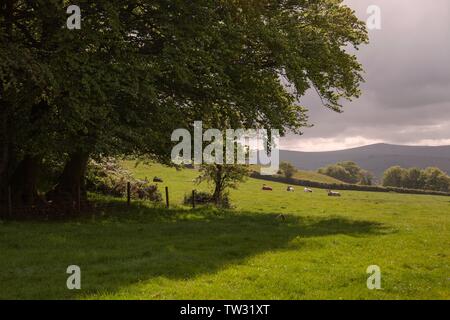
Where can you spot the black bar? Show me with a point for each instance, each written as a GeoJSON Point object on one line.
{"type": "Point", "coordinates": [233, 309]}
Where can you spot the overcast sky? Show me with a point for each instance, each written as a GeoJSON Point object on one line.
{"type": "Point", "coordinates": [406, 96]}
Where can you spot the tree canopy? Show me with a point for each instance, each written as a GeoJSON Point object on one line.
{"type": "Point", "coordinates": [139, 69]}
{"type": "Point", "coordinates": [287, 169]}
{"type": "Point", "coordinates": [431, 178]}
{"type": "Point", "coordinates": [349, 172]}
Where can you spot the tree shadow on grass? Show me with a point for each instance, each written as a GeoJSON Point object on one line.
{"type": "Point", "coordinates": [122, 249]}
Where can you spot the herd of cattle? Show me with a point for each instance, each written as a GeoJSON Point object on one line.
{"type": "Point", "coordinates": [307, 190]}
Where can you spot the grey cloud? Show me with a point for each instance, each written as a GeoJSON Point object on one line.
{"type": "Point", "coordinates": [406, 96]}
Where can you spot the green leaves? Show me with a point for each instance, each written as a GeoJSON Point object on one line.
{"type": "Point", "coordinates": [349, 172]}
{"type": "Point", "coordinates": [414, 178]}
{"type": "Point", "coordinates": [139, 69]}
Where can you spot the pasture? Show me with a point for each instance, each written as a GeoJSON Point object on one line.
{"type": "Point", "coordinates": [321, 250]}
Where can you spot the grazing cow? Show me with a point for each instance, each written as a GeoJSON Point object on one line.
{"type": "Point", "coordinates": [308, 190]}
{"type": "Point", "coordinates": [333, 194]}
{"type": "Point", "coordinates": [267, 188]}
{"type": "Point", "coordinates": [156, 179]}
{"type": "Point", "coordinates": [290, 189]}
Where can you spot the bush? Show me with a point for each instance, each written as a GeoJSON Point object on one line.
{"type": "Point", "coordinates": [205, 198]}
{"type": "Point", "coordinates": [287, 169]}
{"type": "Point", "coordinates": [348, 172]}
{"type": "Point", "coordinates": [108, 177]}
{"type": "Point", "coordinates": [142, 189]}
{"type": "Point", "coordinates": [415, 178]}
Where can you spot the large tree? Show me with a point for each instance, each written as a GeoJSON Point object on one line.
{"type": "Point", "coordinates": [138, 69]}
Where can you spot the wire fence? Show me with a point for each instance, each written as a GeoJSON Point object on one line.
{"type": "Point", "coordinates": [73, 208]}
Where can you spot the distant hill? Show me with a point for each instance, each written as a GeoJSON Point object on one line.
{"type": "Point", "coordinates": [375, 158]}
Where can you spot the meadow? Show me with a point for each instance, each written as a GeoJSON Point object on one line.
{"type": "Point", "coordinates": [321, 250]}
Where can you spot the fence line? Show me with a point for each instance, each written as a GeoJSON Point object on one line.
{"type": "Point", "coordinates": [58, 208]}
{"type": "Point", "coordinates": [69, 208]}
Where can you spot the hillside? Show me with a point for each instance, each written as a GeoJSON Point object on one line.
{"type": "Point", "coordinates": [300, 174]}
{"type": "Point", "coordinates": [375, 158]}
{"type": "Point", "coordinates": [315, 177]}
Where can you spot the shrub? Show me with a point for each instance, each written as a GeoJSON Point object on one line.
{"type": "Point", "coordinates": [205, 198]}
{"type": "Point", "coordinates": [287, 169]}
{"type": "Point", "coordinates": [348, 172]}
{"type": "Point", "coordinates": [415, 178]}
{"type": "Point", "coordinates": [108, 177]}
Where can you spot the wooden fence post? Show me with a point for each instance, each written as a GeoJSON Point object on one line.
{"type": "Point", "coordinates": [167, 197]}
{"type": "Point", "coordinates": [193, 199]}
{"type": "Point", "coordinates": [128, 193]}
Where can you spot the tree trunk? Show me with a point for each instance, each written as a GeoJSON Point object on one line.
{"type": "Point", "coordinates": [9, 17]}
{"type": "Point", "coordinates": [24, 181]}
{"type": "Point", "coordinates": [5, 148]}
{"type": "Point", "coordinates": [4, 179]}
{"type": "Point", "coordinates": [71, 180]}
{"type": "Point", "coordinates": [218, 190]}
{"type": "Point", "coordinates": [4, 158]}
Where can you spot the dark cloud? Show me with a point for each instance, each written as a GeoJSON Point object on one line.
{"type": "Point", "coordinates": [406, 96]}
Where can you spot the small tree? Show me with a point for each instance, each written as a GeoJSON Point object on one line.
{"type": "Point", "coordinates": [348, 172]}
{"type": "Point", "coordinates": [394, 177]}
{"type": "Point", "coordinates": [366, 178]}
{"type": "Point", "coordinates": [436, 179]}
{"type": "Point", "coordinates": [415, 179]}
{"type": "Point", "coordinates": [287, 169]}
{"type": "Point", "coordinates": [223, 177]}
{"type": "Point", "coordinates": [338, 172]}
{"type": "Point", "coordinates": [353, 169]}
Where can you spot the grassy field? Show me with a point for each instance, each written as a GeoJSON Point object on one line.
{"type": "Point", "coordinates": [315, 176]}
{"type": "Point", "coordinates": [309, 176]}
{"type": "Point", "coordinates": [321, 251]}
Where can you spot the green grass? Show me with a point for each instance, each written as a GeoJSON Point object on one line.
{"type": "Point", "coordinates": [321, 251]}
{"type": "Point", "coordinates": [308, 176]}
{"type": "Point", "coordinates": [315, 176]}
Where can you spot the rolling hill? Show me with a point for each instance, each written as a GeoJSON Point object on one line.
{"type": "Point", "coordinates": [308, 175]}
{"type": "Point", "coordinates": [315, 177]}
{"type": "Point", "coordinates": [375, 158]}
